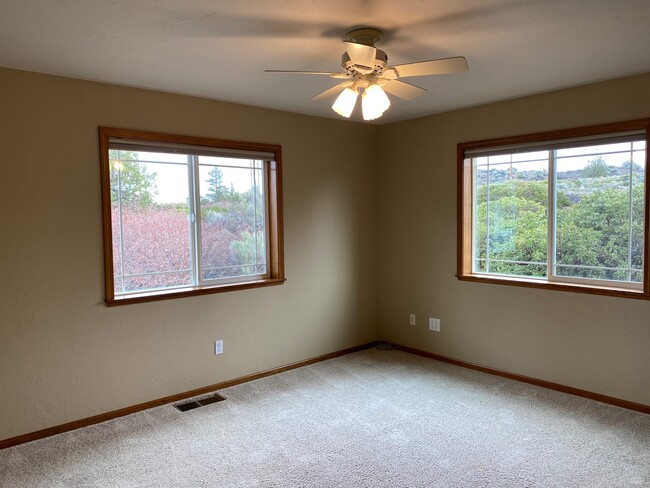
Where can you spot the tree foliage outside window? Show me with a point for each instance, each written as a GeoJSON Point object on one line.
{"type": "Point", "coordinates": [596, 168]}
{"type": "Point", "coordinates": [238, 217]}
{"type": "Point", "coordinates": [130, 181]}
{"type": "Point", "coordinates": [216, 188]}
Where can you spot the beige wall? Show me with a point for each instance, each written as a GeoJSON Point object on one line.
{"type": "Point", "coordinates": [370, 237]}
{"type": "Point", "coordinates": [66, 356]}
{"type": "Point", "coordinates": [600, 344]}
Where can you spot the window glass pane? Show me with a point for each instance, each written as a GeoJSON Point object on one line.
{"type": "Point", "coordinates": [233, 239]}
{"type": "Point", "coordinates": [482, 161]}
{"type": "Point", "coordinates": [593, 273]}
{"type": "Point", "coordinates": [591, 150]}
{"type": "Point", "coordinates": [510, 208]}
{"type": "Point", "coordinates": [231, 162]}
{"type": "Point", "coordinates": [636, 277]}
{"type": "Point", "coordinates": [599, 215]}
{"type": "Point", "coordinates": [499, 159]}
{"type": "Point", "coordinates": [524, 269]}
{"type": "Point", "coordinates": [154, 157]}
{"type": "Point", "coordinates": [480, 217]}
{"type": "Point", "coordinates": [532, 156]}
{"type": "Point", "coordinates": [150, 219]}
{"type": "Point", "coordinates": [638, 214]}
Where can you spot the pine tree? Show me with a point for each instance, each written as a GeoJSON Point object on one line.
{"type": "Point", "coordinates": [131, 183]}
{"type": "Point", "coordinates": [216, 189]}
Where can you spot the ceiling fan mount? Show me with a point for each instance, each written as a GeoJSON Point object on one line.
{"type": "Point", "coordinates": [366, 73]}
{"type": "Point", "coordinates": [366, 36]}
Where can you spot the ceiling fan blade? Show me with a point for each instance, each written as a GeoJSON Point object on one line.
{"type": "Point", "coordinates": [300, 72]}
{"type": "Point", "coordinates": [361, 54]}
{"type": "Point", "coordinates": [403, 90]}
{"type": "Point", "coordinates": [434, 67]}
{"type": "Point", "coordinates": [331, 91]}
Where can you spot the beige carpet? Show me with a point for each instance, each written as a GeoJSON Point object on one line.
{"type": "Point", "coordinates": [369, 419]}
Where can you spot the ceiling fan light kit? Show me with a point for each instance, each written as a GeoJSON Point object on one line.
{"type": "Point", "coordinates": [374, 102]}
{"type": "Point", "coordinates": [345, 102]}
{"type": "Point", "coordinates": [366, 73]}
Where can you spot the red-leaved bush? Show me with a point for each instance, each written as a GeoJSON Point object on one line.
{"type": "Point", "coordinates": [154, 249]}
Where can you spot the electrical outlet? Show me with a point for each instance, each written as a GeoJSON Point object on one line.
{"type": "Point", "coordinates": [218, 347]}
{"type": "Point", "coordinates": [434, 324]}
{"type": "Point", "coordinates": [412, 319]}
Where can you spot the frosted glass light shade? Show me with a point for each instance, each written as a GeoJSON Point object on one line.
{"type": "Point", "coordinates": [374, 103]}
{"type": "Point", "coordinates": [344, 104]}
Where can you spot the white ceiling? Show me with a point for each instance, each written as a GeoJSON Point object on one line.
{"type": "Point", "coordinates": [219, 48]}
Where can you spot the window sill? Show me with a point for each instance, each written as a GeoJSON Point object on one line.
{"type": "Point", "coordinates": [571, 287]}
{"type": "Point", "coordinates": [155, 295]}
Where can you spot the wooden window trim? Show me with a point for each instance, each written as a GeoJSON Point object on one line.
{"type": "Point", "coordinates": [275, 222]}
{"type": "Point", "coordinates": [464, 210]}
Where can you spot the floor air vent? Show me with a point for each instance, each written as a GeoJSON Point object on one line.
{"type": "Point", "coordinates": [191, 405]}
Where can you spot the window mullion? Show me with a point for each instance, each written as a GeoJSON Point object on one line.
{"type": "Point", "coordinates": [474, 206]}
{"type": "Point", "coordinates": [266, 195]}
{"type": "Point", "coordinates": [487, 219]}
{"type": "Point", "coordinates": [629, 239]}
{"type": "Point", "coordinates": [195, 217]}
{"type": "Point", "coordinates": [550, 219]}
{"type": "Point", "coordinates": [254, 178]}
{"type": "Point", "coordinates": [119, 200]}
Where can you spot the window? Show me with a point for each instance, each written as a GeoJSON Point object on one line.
{"type": "Point", "coordinates": [186, 216]}
{"type": "Point", "coordinates": [564, 210]}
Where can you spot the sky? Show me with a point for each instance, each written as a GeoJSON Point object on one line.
{"type": "Point", "coordinates": [172, 169]}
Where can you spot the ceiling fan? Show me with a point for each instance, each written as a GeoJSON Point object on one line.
{"type": "Point", "coordinates": [366, 73]}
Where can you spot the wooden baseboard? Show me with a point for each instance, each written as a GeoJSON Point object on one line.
{"type": "Point", "coordinates": [77, 424]}
{"type": "Point", "coordinates": [533, 381]}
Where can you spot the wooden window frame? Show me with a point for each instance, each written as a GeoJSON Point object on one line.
{"type": "Point", "coordinates": [275, 225]}
{"type": "Point", "coordinates": [465, 213]}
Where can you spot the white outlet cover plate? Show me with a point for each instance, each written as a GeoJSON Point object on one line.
{"type": "Point", "coordinates": [434, 324]}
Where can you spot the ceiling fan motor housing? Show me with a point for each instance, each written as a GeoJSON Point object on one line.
{"type": "Point", "coordinates": [381, 60]}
